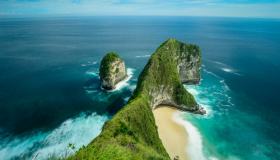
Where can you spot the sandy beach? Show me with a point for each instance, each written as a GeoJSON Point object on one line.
{"type": "Point", "coordinates": [173, 135]}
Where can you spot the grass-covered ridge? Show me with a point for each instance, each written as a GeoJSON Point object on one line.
{"type": "Point", "coordinates": [132, 132]}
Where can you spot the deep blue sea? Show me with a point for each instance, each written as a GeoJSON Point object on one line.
{"type": "Point", "coordinates": [50, 94]}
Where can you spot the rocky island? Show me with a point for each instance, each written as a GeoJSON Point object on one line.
{"type": "Point", "coordinates": [132, 132]}
{"type": "Point", "coordinates": [112, 70]}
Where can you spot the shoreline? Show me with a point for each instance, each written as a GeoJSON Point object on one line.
{"type": "Point", "coordinates": [175, 145]}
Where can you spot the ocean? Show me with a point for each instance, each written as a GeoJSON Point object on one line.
{"type": "Point", "coordinates": [50, 95]}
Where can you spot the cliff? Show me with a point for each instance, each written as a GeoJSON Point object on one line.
{"type": "Point", "coordinates": [132, 133]}
{"type": "Point", "coordinates": [172, 64]}
{"type": "Point", "coordinates": [112, 70]}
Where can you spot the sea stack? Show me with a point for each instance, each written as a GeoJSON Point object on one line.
{"type": "Point", "coordinates": [112, 70]}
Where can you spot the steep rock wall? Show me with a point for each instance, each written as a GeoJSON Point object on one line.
{"type": "Point", "coordinates": [112, 71]}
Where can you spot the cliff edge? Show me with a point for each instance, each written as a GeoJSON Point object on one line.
{"type": "Point", "coordinates": [132, 133]}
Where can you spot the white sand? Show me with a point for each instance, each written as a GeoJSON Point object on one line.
{"type": "Point", "coordinates": [172, 134]}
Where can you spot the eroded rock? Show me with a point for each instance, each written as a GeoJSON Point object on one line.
{"type": "Point", "coordinates": [112, 70]}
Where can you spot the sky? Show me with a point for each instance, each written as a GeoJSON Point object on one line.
{"type": "Point", "coordinates": [223, 8]}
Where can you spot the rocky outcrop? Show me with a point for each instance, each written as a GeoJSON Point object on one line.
{"type": "Point", "coordinates": [173, 62]}
{"type": "Point", "coordinates": [132, 132]}
{"type": "Point", "coordinates": [112, 70]}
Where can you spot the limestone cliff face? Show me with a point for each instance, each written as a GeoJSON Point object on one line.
{"type": "Point", "coordinates": [173, 62]}
{"type": "Point", "coordinates": [189, 63]}
{"type": "Point", "coordinates": [132, 132]}
{"type": "Point", "coordinates": [112, 71]}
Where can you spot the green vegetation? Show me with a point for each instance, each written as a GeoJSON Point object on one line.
{"type": "Point", "coordinates": [161, 70]}
{"type": "Point", "coordinates": [132, 133]}
{"type": "Point", "coordinates": [105, 63]}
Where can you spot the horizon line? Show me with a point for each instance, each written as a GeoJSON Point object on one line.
{"type": "Point", "coordinates": [105, 15]}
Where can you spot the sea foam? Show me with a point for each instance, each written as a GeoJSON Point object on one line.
{"type": "Point", "coordinates": [224, 67]}
{"type": "Point", "coordinates": [214, 95]}
{"type": "Point", "coordinates": [89, 63]}
{"type": "Point", "coordinates": [194, 147]}
{"type": "Point", "coordinates": [230, 70]}
{"type": "Point", "coordinates": [42, 145]}
{"type": "Point", "coordinates": [143, 56]}
{"type": "Point", "coordinates": [124, 83]}
{"type": "Point", "coordinates": [93, 74]}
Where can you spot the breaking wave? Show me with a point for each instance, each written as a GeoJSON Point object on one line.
{"type": "Point", "coordinates": [78, 131]}
{"type": "Point", "coordinates": [194, 146]}
{"type": "Point", "coordinates": [143, 56]}
{"type": "Point", "coordinates": [210, 93]}
{"type": "Point", "coordinates": [124, 83]}
{"type": "Point", "coordinates": [89, 63]}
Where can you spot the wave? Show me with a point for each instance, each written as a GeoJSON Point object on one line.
{"type": "Point", "coordinates": [93, 74]}
{"type": "Point", "coordinates": [219, 63]}
{"type": "Point", "coordinates": [211, 93]}
{"type": "Point", "coordinates": [78, 131]}
{"type": "Point", "coordinates": [214, 93]}
{"type": "Point", "coordinates": [226, 68]}
{"type": "Point", "coordinates": [124, 83]}
{"type": "Point", "coordinates": [230, 70]}
{"type": "Point", "coordinates": [89, 63]}
{"type": "Point", "coordinates": [143, 56]}
{"type": "Point", "coordinates": [211, 73]}
{"type": "Point", "coordinates": [194, 146]}
{"type": "Point", "coordinates": [94, 90]}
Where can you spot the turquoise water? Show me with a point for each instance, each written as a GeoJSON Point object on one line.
{"type": "Point", "coordinates": [50, 94]}
{"type": "Point", "coordinates": [226, 132]}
